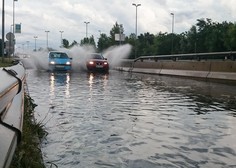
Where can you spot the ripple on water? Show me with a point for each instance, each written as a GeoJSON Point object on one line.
{"type": "Point", "coordinates": [131, 121]}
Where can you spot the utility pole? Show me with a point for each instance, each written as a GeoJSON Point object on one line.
{"type": "Point", "coordinates": [136, 25]}
{"type": "Point", "coordinates": [47, 31]}
{"type": "Point", "coordinates": [172, 40]}
{"type": "Point", "coordinates": [3, 28]}
{"type": "Point", "coordinates": [86, 28]}
{"type": "Point", "coordinates": [61, 37]}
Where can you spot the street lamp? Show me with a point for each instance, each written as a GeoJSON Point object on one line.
{"type": "Point", "coordinates": [47, 31]}
{"type": "Point", "coordinates": [35, 37]}
{"type": "Point", "coordinates": [13, 21]}
{"type": "Point", "coordinates": [136, 5]}
{"type": "Point", "coordinates": [27, 42]}
{"type": "Point", "coordinates": [86, 28]}
{"type": "Point", "coordinates": [3, 27]}
{"type": "Point", "coordinates": [61, 37]}
{"type": "Point", "coordinates": [172, 41]}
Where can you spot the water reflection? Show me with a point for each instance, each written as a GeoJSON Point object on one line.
{"type": "Point", "coordinates": [94, 78]}
{"type": "Point", "coordinates": [61, 80]}
{"type": "Point", "coordinates": [127, 120]}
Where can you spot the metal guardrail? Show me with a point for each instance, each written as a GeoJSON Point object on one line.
{"type": "Point", "coordinates": [11, 111]}
{"type": "Point", "coordinates": [193, 56]}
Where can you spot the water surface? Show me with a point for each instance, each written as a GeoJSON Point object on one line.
{"type": "Point", "coordinates": [134, 121]}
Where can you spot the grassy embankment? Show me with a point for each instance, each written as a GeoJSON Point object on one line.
{"type": "Point", "coordinates": [6, 62]}
{"type": "Point", "coordinates": [28, 152]}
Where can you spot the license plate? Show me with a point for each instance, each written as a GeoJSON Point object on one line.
{"type": "Point", "coordinates": [99, 66]}
{"type": "Point", "coordinates": [59, 66]}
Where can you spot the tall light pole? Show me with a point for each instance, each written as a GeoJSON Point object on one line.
{"type": "Point", "coordinates": [27, 42]}
{"type": "Point", "coordinates": [13, 22]}
{"type": "Point", "coordinates": [35, 37]}
{"type": "Point", "coordinates": [136, 25]}
{"type": "Point", "coordinates": [3, 27]}
{"type": "Point", "coordinates": [61, 37]}
{"type": "Point", "coordinates": [86, 28]}
{"type": "Point", "coordinates": [47, 31]}
{"type": "Point", "coordinates": [172, 41]}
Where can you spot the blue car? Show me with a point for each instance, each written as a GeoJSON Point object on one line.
{"type": "Point", "coordinates": [59, 61]}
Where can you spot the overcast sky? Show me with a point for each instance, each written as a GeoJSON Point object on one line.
{"type": "Point", "coordinates": [38, 16]}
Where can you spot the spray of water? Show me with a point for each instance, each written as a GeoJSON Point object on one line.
{"type": "Point", "coordinates": [116, 54]}
{"type": "Point", "coordinates": [39, 60]}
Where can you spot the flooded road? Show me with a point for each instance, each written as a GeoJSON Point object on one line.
{"type": "Point", "coordinates": [125, 120]}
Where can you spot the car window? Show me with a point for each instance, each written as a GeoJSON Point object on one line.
{"type": "Point", "coordinates": [96, 56]}
{"type": "Point", "coordinates": [58, 55]}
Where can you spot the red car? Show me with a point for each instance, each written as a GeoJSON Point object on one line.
{"type": "Point", "coordinates": [96, 62]}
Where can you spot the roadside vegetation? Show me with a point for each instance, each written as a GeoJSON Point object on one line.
{"type": "Point", "coordinates": [28, 152]}
{"type": "Point", "coordinates": [5, 62]}
{"type": "Point", "coordinates": [205, 36]}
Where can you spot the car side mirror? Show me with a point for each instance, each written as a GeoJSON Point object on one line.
{"type": "Point", "coordinates": [105, 58]}
{"type": "Point", "coordinates": [71, 58]}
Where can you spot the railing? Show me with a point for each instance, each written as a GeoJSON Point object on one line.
{"type": "Point", "coordinates": [218, 66]}
{"type": "Point", "coordinates": [193, 56]}
{"type": "Point", "coordinates": [11, 111]}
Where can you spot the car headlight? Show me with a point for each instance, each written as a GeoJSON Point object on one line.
{"type": "Point", "coordinates": [105, 63]}
{"type": "Point", "coordinates": [68, 63]}
{"type": "Point", "coordinates": [52, 62]}
{"type": "Point", "coordinates": [91, 62]}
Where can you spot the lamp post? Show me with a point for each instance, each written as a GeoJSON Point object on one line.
{"type": "Point", "coordinates": [3, 27]}
{"type": "Point", "coordinates": [86, 28]}
{"type": "Point", "coordinates": [35, 37]}
{"type": "Point", "coordinates": [136, 23]}
{"type": "Point", "coordinates": [27, 42]}
{"type": "Point", "coordinates": [47, 31]}
{"type": "Point", "coordinates": [13, 22]}
{"type": "Point", "coordinates": [172, 40]}
{"type": "Point", "coordinates": [61, 37]}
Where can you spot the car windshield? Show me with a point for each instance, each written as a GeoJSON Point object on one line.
{"type": "Point", "coordinates": [96, 56]}
{"type": "Point", "coordinates": [58, 55]}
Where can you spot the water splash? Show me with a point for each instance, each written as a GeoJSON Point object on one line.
{"type": "Point", "coordinates": [39, 60]}
{"type": "Point", "coordinates": [115, 54]}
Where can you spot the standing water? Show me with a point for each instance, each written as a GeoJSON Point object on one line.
{"type": "Point", "coordinates": [126, 120]}
{"type": "Point", "coordinates": [130, 120]}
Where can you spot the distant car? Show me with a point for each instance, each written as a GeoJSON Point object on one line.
{"type": "Point", "coordinates": [59, 61]}
{"type": "Point", "coordinates": [96, 62]}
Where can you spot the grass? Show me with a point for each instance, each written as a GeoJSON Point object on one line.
{"type": "Point", "coordinates": [28, 152]}
{"type": "Point", "coordinates": [5, 62]}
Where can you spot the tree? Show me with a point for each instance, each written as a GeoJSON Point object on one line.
{"type": "Point", "coordinates": [117, 29]}
{"type": "Point", "coordinates": [88, 41]}
{"type": "Point", "coordinates": [65, 43]}
{"type": "Point", "coordinates": [74, 43]}
{"type": "Point", "coordinates": [103, 42]}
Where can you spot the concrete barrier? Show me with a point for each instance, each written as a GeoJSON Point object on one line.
{"type": "Point", "coordinates": [210, 69]}
{"type": "Point", "coordinates": [11, 111]}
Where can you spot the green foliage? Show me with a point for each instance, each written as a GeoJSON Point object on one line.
{"type": "Point", "coordinates": [103, 42]}
{"type": "Point", "coordinates": [204, 36]}
{"type": "Point", "coordinates": [65, 43]}
{"type": "Point", "coordinates": [28, 152]}
{"type": "Point", "coordinates": [5, 62]}
{"type": "Point", "coordinates": [88, 41]}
